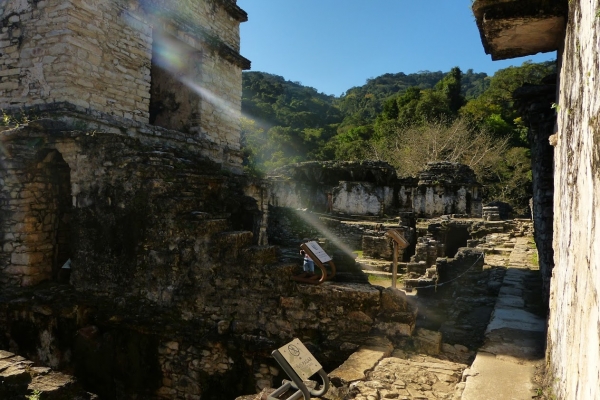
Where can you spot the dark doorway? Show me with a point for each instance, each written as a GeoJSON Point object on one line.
{"type": "Point", "coordinates": [456, 238]}
{"type": "Point", "coordinates": [469, 204]}
{"type": "Point", "coordinates": [174, 88]}
{"type": "Point", "coordinates": [53, 209]}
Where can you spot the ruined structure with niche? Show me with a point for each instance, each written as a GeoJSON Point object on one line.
{"type": "Point", "coordinates": [373, 188]}
{"type": "Point", "coordinates": [121, 161]}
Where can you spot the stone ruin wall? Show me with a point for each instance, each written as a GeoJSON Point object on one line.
{"type": "Point", "coordinates": [98, 55]}
{"type": "Point", "coordinates": [166, 263]}
{"type": "Point", "coordinates": [432, 201]}
{"type": "Point", "coordinates": [352, 198]}
{"type": "Point", "coordinates": [443, 188]}
{"type": "Point", "coordinates": [574, 326]}
{"type": "Point", "coordinates": [532, 102]}
{"type": "Point", "coordinates": [447, 188]}
{"type": "Point", "coordinates": [126, 347]}
{"type": "Point", "coordinates": [100, 189]}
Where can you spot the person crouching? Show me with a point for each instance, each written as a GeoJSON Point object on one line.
{"type": "Point", "coordinates": [309, 264]}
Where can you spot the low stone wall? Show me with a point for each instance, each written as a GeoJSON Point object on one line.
{"type": "Point", "coordinates": [378, 247]}
{"type": "Point", "coordinates": [127, 348]}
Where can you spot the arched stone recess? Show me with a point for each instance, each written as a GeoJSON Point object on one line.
{"type": "Point", "coordinates": [36, 211]}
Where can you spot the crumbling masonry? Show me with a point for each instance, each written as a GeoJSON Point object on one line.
{"type": "Point", "coordinates": [121, 158]}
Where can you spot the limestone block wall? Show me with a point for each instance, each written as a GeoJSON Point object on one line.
{"type": "Point", "coordinates": [573, 350]}
{"type": "Point", "coordinates": [355, 198]}
{"type": "Point", "coordinates": [117, 207]}
{"type": "Point", "coordinates": [221, 90]}
{"type": "Point", "coordinates": [533, 104]}
{"type": "Point", "coordinates": [123, 347]}
{"type": "Point", "coordinates": [362, 198]}
{"type": "Point", "coordinates": [292, 194]}
{"type": "Point", "coordinates": [36, 203]}
{"type": "Point", "coordinates": [100, 55]}
{"type": "Point", "coordinates": [84, 52]}
{"type": "Point", "coordinates": [213, 16]}
{"type": "Point", "coordinates": [435, 200]}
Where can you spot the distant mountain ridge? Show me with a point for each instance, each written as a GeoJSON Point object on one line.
{"type": "Point", "coordinates": [272, 100]}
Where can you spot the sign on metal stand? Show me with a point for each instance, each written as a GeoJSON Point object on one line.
{"type": "Point", "coordinates": [399, 242]}
{"type": "Point", "coordinates": [320, 258]}
{"type": "Point", "coordinates": [299, 364]}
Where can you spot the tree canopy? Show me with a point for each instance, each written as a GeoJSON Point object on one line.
{"type": "Point", "coordinates": [396, 117]}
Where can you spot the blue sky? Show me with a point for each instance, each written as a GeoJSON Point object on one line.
{"type": "Point", "coordinates": [333, 45]}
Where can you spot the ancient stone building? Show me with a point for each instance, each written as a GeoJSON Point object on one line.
{"type": "Point", "coordinates": [139, 64]}
{"type": "Point", "coordinates": [518, 28]}
{"type": "Point", "coordinates": [105, 84]}
{"type": "Point", "coordinates": [372, 188]}
{"type": "Point", "coordinates": [447, 188]}
{"type": "Point", "coordinates": [120, 160]}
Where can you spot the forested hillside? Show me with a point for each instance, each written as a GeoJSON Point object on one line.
{"type": "Point", "coordinates": [404, 119]}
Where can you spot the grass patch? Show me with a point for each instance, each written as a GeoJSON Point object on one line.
{"type": "Point", "coordinates": [385, 281]}
{"type": "Point", "coordinates": [535, 260]}
{"type": "Point", "coordinates": [358, 252]}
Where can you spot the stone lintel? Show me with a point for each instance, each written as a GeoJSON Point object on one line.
{"type": "Point", "coordinates": [516, 28]}
{"type": "Point", "coordinates": [55, 117]}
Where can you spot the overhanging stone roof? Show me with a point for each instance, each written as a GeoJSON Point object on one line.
{"type": "Point", "coordinates": [516, 28]}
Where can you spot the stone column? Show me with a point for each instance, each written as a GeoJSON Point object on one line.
{"type": "Point", "coordinates": [535, 106]}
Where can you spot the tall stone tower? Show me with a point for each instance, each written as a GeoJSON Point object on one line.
{"type": "Point", "coordinates": [108, 105]}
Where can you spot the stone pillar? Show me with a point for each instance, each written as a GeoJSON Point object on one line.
{"type": "Point", "coordinates": [535, 105]}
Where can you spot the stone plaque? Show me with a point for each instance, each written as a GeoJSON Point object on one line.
{"type": "Point", "coordinates": [300, 359]}
{"type": "Point", "coordinates": [318, 251]}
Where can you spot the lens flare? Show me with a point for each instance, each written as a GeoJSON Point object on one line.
{"type": "Point", "coordinates": [314, 221]}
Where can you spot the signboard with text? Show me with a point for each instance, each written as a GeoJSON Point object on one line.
{"type": "Point", "coordinates": [300, 359]}
{"type": "Point", "coordinates": [398, 237]}
{"type": "Point", "coordinates": [318, 251]}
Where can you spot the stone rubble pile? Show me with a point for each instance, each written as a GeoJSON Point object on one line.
{"type": "Point", "coordinates": [20, 378]}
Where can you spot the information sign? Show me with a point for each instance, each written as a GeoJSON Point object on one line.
{"type": "Point", "coordinates": [398, 237]}
{"type": "Point", "coordinates": [318, 251]}
{"type": "Point", "coordinates": [300, 359]}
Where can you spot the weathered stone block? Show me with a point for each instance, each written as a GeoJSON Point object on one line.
{"type": "Point", "coordinates": [393, 300]}
{"type": "Point", "coordinates": [377, 247]}
{"type": "Point", "coordinates": [428, 342]}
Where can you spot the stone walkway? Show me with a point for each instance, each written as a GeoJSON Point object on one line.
{"type": "Point", "coordinates": [502, 369]}
{"type": "Point", "coordinates": [514, 342]}
{"type": "Point", "coordinates": [378, 371]}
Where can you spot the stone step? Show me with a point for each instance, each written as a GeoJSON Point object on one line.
{"type": "Point", "coordinates": [260, 255]}
{"type": "Point", "coordinates": [498, 250]}
{"type": "Point", "coordinates": [361, 361]}
{"type": "Point", "coordinates": [19, 379]}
